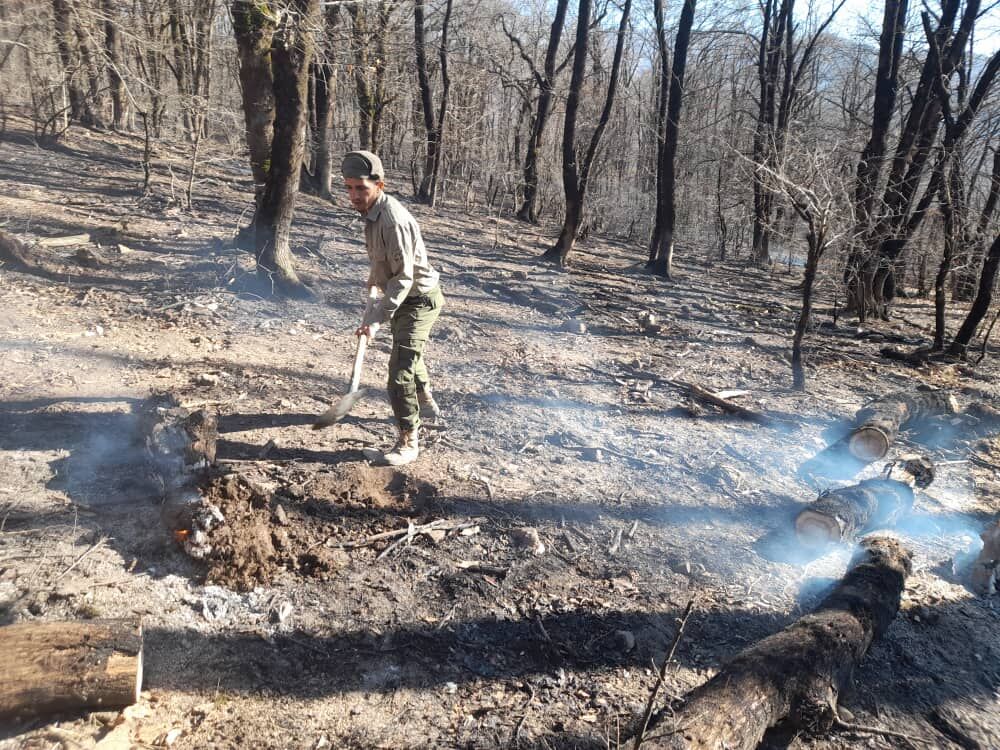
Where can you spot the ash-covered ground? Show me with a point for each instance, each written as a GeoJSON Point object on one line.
{"type": "Point", "coordinates": [534, 614]}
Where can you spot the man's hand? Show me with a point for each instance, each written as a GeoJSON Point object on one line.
{"type": "Point", "coordinates": [368, 331]}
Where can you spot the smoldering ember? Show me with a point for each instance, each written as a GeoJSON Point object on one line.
{"type": "Point", "coordinates": [496, 374]}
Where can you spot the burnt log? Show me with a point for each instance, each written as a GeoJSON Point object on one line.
{"type": "Point", "coordinates": [843, 514]}
{"type": "Point", "coordinates": [180, 444]}
{"type": "Point", "coordinates": [65, 666]}
{"type": "Point", "coordinates": [796, 675]}
{"type": "Point", "coordinates": [878, 423]}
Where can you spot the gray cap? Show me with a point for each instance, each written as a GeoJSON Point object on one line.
{"type": "Point", "coordinates": [362, 164]}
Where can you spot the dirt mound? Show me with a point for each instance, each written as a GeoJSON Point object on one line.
{"type": "Point", "coordinates": [360, 486]}
{"type": "Point", "coordinates": [270, 531]}
{"type": "Point", "coordinates": [258, 541]}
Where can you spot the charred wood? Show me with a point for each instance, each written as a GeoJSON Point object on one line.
{"type": "Point", "coordinates": [65, 666]}
{"type": "Point", "coordinates": [842, 514]}
{"type": "Point", "coordinates": [796, 675]}
{"type": "Point", "coordinates": [879, 422]}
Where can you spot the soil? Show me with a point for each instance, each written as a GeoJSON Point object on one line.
{"type": "Point", "coordinates": [562, 423]}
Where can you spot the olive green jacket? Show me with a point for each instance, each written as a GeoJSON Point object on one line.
{"type": "Point", "coordinates": [399, 264]}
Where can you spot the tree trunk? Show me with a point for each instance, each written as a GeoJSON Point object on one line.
{"type": "Point", "coordinates": [981, 305]}
{"type": "Point", "coordinates": [291, 55]}
{"type": "Point", "coordinates": [878, 423]}
{"type": "Point", "coordinates": [442, 107]}
{"type": "Point", "coordinates": [426, 102]}
{"type": "Point", "coordinates": [816, 246]}
{"type": "Point", "coordinates": [799, 673]}
{"type": "Point", "coordinates": [858, 273]}
{"type": "Point", "coordinates": [113, 50]}
{"type": "Point", "coordinates": [79, 106]}
{"type": "Point", "coordinates": [254, 30]}
{"type": "Point", "coordinates": [324, 83]}
{"type": "Point", "coordinates": [546, 92]}
{"type": "Point", "coordinates": [576, 176]}
{"type": "Point", "coordinates": [666, 205]}
{"type": "Point", "coordinates": [56, 667]}
{"type": "Point", "coordinates": [919, 130]}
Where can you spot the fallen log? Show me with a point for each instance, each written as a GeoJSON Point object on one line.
{"type": "Point", "coordinates": [67, 241]}
{"type": "Point", "coordinates": [65, 666]}
{"type": "Point", "coordinates": [842, 514]}
{"type": "Point", "coordinates": [721, 403]}
{"type": "Point", "coordinates": [795, 675]}
{"type": "Point", "coordinates": [878, 423]}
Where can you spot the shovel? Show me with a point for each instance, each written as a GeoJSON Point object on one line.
{"type": "Point", "coordinates": [354, 394]}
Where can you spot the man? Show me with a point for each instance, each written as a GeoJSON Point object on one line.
{"type": "Point", "coordinates": [411, 300]}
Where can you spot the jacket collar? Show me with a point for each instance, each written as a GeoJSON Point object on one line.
{"type": "Point", "coordinates": [376, 210]}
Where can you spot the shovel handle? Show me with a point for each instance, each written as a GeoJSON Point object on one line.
{"type": "Point", "coordinates": [359, 358]}
{"type": "Point", "coordinates": [359, 354]}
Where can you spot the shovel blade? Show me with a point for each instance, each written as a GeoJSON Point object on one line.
{"type": "Point", "coordinates": [339, 410]}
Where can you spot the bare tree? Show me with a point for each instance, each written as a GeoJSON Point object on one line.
{"type": "Point", "coordinates": [782, 62]}
{"type": "Point", "coordinates": [872, 285]}
{"type": "Point", "coordinates": [577, 176]}
{"type": "Point", "coordinates": [661, 247]}
{"type": "Point", "coordinates": [434, 126]}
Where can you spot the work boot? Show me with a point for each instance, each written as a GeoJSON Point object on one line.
{"type": "Point", "coordinates": [428, 406]}
{"type": "Point", "coordinates": [405, 451]}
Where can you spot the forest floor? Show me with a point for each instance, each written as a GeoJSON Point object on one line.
{"type": "Point", "coordinates": [416, 648]}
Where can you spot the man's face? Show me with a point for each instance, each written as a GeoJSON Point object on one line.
{"type": "Point", "coordinates": [362, 192]}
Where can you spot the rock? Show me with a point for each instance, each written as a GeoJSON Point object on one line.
{"type": "Point", "coordinates": [592, 453]}
{"type": "Point", "coordinates": [280, 516]}
{"type": "Point", "coordinates": [206, 379]}
{"type": "Point", "coordinates": [279, 537]}
{"type": "Point", "coordinates": [437, 535]}
{"type": "Point", "coordinates": [528, 539]}
{"type": "Point", "coordinates": [574, 325]}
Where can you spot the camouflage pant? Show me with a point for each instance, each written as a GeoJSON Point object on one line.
{"type": "Point", "coordinates": [411, 327]}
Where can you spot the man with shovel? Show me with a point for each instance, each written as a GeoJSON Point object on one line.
{"type": "Point", "coordinates": [411, 297]}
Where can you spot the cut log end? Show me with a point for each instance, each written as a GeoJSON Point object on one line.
{"type": "Point", "coordinates": [817, 529]}
{"type": "Point", "coordinates": [869, 444]}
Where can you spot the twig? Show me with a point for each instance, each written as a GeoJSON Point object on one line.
{"type": "Point", "coordinates": [984, 463]}
{"type": "Point", "coordinates": [524, 715]}
{"type": "Point", "coordinates": [410, 530]}
{"type": "Point", "coordinates": [485, 482]}
{"type": "Point", "coordinates": [986, 338]}
{"type": "Point", "coordinates": [728, 406]}
{"type": "Point", "coordinates": [844, 726]}
{"type": "Point", "coordinates": [472, 566]}
{"type": "Point", "coordinates": [99, 543]}
{"type": "Point", "coordinates": [662, 676]}
{"type": "Point", "coordinates": [616, 543]}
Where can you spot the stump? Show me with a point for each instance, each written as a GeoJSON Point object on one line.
{"type": "Point", "coordinates": [797, 674]}
{"type": "Point", "coordinates": [841, 515]}
{"type": "Point", "coordinates": [879, 422]}
{"type": "Point", "coordinates": [181, 447]}
{"type": "Point", "coordinates": [65, 666]}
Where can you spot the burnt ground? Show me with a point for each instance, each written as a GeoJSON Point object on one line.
{"type": "Point", "coordinates": [294, 635]}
